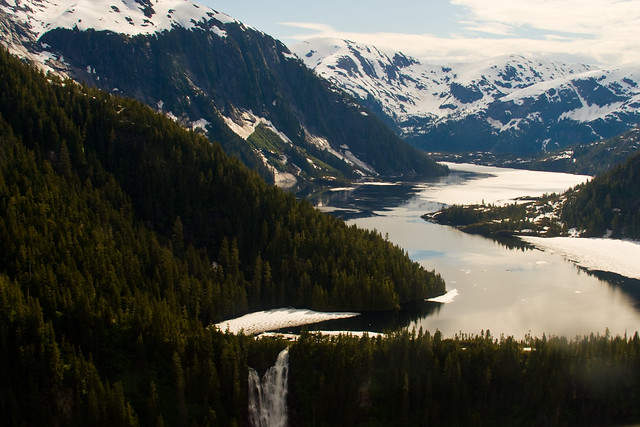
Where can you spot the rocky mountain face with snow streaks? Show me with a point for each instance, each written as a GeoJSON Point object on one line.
{"type": "Point", "coordinates": [214, 75]}
{"type": "Point", "coordinates": [509, 104]}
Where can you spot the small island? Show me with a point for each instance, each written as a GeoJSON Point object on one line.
{"type": "Point", "coordinates": [526, 216]}
{"type": "Point", "coordinates": [606, 206]}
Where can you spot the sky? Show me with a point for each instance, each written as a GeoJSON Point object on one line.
{"type": "Point", "coordinates": [605, 32]}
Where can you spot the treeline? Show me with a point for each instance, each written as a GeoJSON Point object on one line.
{"type": "Point", "coordinates": [610, 201]}
{"type": "Point", "coordinates": [424, 379]}
{"type": "Point", "coordinates": [266, 247]}
{"type": "Point", "coordinates": [483, 218]}
{"type": "Point", "coordinates": [100, 323]}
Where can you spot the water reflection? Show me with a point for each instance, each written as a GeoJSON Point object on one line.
{"type": "Point", "coordinates": [629, 286]}
{"type": "Point", "coordinates": [504, 285]}
{"type": "Point", "coordinates": [383, 322]}
{"type": "Point", "coordinates": [364, 200]}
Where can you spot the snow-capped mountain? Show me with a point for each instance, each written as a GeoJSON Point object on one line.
{"type": "Point", "coordinates": [215, 75]}
{"type": "Point", "coordinates": [510, 104]}
{"type": "Point", "coordinates": [128, 17]}
{"type": "Point", "coordinates": [23, 22]}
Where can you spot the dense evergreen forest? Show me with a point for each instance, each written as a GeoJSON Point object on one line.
{"type": "Point", "coordinates": [611, 201]}
{"type": "Point", "coordinates": [421, 379]}
{"type": "Point", "coordinates": [588, 159]}
{"type": "Point", "coordinates": [266, 248]}
{"type": "Point", "coordinates": [501, 222]}
{"type": "Point", "coordinates": [122, 237]}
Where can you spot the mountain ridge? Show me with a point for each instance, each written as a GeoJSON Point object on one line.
{"type": "Point", "coordinates": [130, 17]}
{"type": "Point", "coordinates": [509, 104]}
{"type": "Point", "coordinates": [214, 72]}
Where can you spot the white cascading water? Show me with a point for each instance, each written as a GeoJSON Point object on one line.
{"type": "Point", "coordinates": [268, 397]}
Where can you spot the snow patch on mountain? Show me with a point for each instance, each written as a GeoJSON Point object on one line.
{"type": "Point", "coordinates": [590, 112]}
{"type": "Point", "coordinates": [507, 97]}
{"type": "Point", "coordinates": [244, 123]}
{"type": "Point", "coordinates": [352, 159]}
{"type": "Point", "coordinates": [344, 154]}
{"type": "Point", "coordinates": [405, 87]}
{"type": "Point", "coordinates": [130, 17]}
{"type": "Point", "coordinates": [280, 178]}
{"type": "Point", "coordinates": [200, 124]}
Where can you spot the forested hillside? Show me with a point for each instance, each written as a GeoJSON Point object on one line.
{"type": "Point", "coordinates": [122, 236]}
{"type": "Point", "coordinates": [191, 195]}
{"type": "Point", "coordinates": [610, 201]}
{"type": "Point", "coordinates": [423, 379]}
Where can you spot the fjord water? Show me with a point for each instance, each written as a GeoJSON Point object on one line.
{"type": "Point", "coordinates": [507, 291]}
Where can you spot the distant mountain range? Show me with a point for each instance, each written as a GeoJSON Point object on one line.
{"type": "Point", "coordinates": [214, 75]}
{"type": "Point", "coordinates": [508, 104]}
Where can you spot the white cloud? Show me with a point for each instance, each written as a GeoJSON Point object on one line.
{"type": "Point", "coordinates": [319, 28]}
{"type": "Point", "coordinates": [603, 31]}
{"type": "Point", "coordinates": [585, 17]}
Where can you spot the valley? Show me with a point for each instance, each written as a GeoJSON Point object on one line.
{"type": "Point", "coordinates": [203, 225]}
{"type": "Point", "coordinates": [538, 291]}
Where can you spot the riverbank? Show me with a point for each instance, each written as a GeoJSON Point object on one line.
{"type": "Point", "coordinates": [535, 221]}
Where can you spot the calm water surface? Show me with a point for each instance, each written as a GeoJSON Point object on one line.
{"type": "Point", "coordinates": [508, 291]}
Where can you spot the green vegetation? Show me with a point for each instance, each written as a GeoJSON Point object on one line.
{"type": "Point", "coordinates": [123, 236]}
{"type": "Point", "coordinates": [286, 157]}
{"type": "Point", "coordinates": [534, 215]}
{"type": "Point", "coordinates": [423, 379]}
{"type": "Point", "coordinates": [610, 201]}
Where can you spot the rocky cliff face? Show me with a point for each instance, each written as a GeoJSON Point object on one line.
{"type": "Point", "coordinates": [214, 75]}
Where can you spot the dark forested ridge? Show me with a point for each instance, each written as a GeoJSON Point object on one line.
{"type": "Point", "coordinates": [422, 379]}
{"type": "Point", "coordinates": [122, 236]}
{"type": "Point", "coordinates": [587, 159]}
{"type": "Point", "coordinates": [187, 192]}
{"type": "Point", "coordinates": [196, 74]}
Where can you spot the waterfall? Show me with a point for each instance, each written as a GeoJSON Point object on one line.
{"type": "Point", "coordinates": [268, 397]}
